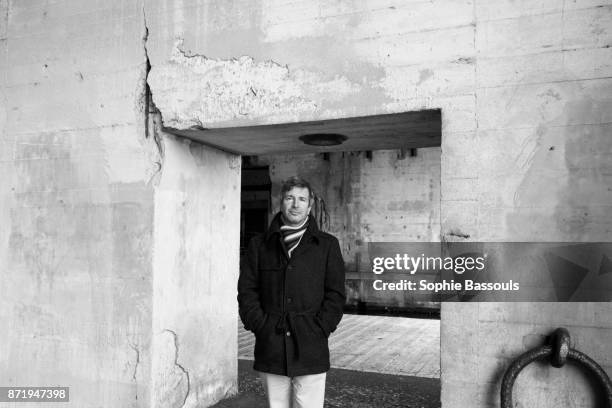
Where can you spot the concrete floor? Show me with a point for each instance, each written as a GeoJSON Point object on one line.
{"type": "Point", "coordinates": [347, 389]}
{"type": "Point", "coordinates": [378, 344]}
{"type": "Point", "coordinates": [377, 361]}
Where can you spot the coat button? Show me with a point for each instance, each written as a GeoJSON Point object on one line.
{"type": "Point", "coordinates": [289, 267]}
{"type": "Point", "coordinates": [288, 334]}
{"type": "Point", "coordinates": [289, 300]}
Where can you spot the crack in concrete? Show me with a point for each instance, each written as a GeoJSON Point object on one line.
{"type": "Point", "coordinates": [137, 351]}
{"type": "Point", "coordinates": [458, 234]}
{"type": "Point", "coordinates": [474, 64]}
{"type": "Point", "coordinates": [147, 90]}
{"type": "Point", "coordinates": [6, 21]}
{"type": "Point", "coordinates": [176, 363]}
{"type": "Point", "coordinates": [151, 114]}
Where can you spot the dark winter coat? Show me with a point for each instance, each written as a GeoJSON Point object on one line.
{"type": "Point", "coordinates": [292, 305]}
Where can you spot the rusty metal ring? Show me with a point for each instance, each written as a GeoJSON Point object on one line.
{"type": "Point", "coordinates": [560, 341]}
{"type": "Point", "coordinates": [547, 351]}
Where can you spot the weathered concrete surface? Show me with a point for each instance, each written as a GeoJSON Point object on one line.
{"type": "Point", "coordinates": [93, 295]}
{"type": "Point", "coordinates": [480, 340]}
{"type": "Point", "coordinates": [195, 270]}
{"type": "Point", "coordinates": [524, 89]}
{"type": "Point", "coordinates": [492, 78]}
{"type": "Point", "coordinates": [75, 207]}
{"type": "Point", "coordinates": [234, 89]}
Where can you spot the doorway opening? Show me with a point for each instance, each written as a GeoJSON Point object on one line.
{"type": "Point", "coordinates": [255, 201]}
{"type": "Point", "coordinates": [381, 183]}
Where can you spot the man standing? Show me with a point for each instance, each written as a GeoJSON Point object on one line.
{"type": "Point", "coordinates": [291, 295]}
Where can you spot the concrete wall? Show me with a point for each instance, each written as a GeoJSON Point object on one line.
{"type": "Point", "coordinates": [480, 340]}
{"type": "Point", "coordinates": [195, 313]}
{"type": "Point", "coordinates": [524, 89]}
{"type": "Point", "coordinates": [521, 86]}
{"type": "Point", "coordinates": [76, 211]}
{"type": "Point", "coordinates": [108, 281]}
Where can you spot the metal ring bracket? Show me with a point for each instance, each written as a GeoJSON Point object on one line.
{"type": "Point", "coordinates": [559, 352]}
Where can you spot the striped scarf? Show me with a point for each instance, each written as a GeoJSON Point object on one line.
{"type": "Point", "coordinates": [293, 235]}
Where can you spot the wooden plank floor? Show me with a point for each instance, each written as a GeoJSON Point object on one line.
{"type": "Point", "coordinates": [381, 344]}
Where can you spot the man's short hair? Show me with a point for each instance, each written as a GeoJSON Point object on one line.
{"type": "Point", "coordinates": [296, 181]}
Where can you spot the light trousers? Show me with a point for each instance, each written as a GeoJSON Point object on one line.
{"type": "Point", "coordinates": [304, 391]}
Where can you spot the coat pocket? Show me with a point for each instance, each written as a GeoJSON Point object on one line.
{"type": "Point", "coordinates": [314, 330]}
{"type": "Point", "coordinates": [266, 328]}
{"type": "Point", "coordinates": [314, 349]}
{"type": "Point", "coordinates": [268, 344]}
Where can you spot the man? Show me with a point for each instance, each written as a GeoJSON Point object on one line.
{"type": "Point", "coordinates": [291, 295]}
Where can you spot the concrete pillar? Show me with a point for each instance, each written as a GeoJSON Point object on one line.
{"type": "Point", "coordinates": [195, 270]}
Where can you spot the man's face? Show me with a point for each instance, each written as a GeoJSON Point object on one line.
{"type": "Point", "coordinates": [295, 205]}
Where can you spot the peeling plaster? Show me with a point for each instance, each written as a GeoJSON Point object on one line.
{"type": "Point", "coordinates": [193, 90]}
{"type": "Point", "coordinates": [179, 366]}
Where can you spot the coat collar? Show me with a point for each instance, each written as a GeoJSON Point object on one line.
{"type": "Point", "coordinates": [312, 230]}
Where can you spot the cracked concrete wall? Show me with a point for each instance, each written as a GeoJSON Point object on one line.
{"type": "Point", "coordinates": [195, 269]}
{"type": "Point", "coordinates": [505, 102]}
{"type": "Point", "coordinates": [524, 89]}
{"type": "Point", "coordinates": [75, 207]}
{"type": "Point", "coordinates": [82, 161]}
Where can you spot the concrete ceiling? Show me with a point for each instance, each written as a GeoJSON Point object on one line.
{"type": "Point", "coordinates": [393, 131]}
